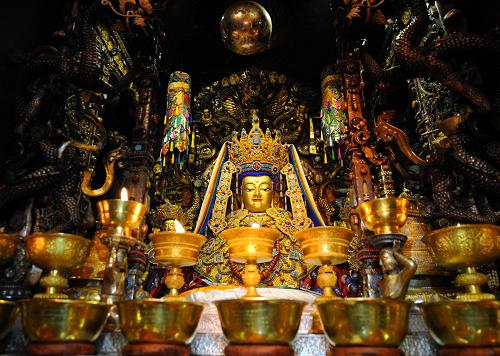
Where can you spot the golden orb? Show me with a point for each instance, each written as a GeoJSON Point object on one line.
{"type": "Point", "coordinates": [246, 28]}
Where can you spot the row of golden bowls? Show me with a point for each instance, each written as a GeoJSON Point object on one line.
{"type": "Point", "coordinates": [261, 321]}
{"type": "Point", "coordinates": [347, 322]}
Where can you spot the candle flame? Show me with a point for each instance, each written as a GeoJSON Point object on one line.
{"type": "Point", "coordinates": [124, 194]}
{"type": "Point", "coordinates": [255, 225]}
{"type": "Point", "coordinates": [179, 227]}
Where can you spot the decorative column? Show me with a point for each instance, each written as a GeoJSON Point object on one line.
{"type": "Point", "coordinates": [138, 163]}
{"type": "Point", "coordinates": [360, 175]}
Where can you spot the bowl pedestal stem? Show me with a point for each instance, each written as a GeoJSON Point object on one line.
{"type": "Point", "coordinates": [472, 280]}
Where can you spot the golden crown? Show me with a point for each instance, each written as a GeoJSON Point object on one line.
{"type": "Point", "coordinates": [256, 151]}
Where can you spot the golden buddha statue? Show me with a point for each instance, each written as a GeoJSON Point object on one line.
{"type": "Point", "coordinates": [271, 192]}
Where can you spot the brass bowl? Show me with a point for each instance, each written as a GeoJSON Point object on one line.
{"type": "Point", "coordinates": [157, 321]}
{"type": "Point", "coordinates": [8, 312]}
{"type": "Point", "coordinates": [364, 321]}
{"type": "Point", "coordinates": [8, 244]}
{"type": "Point", "coordinates": [57, 251]}
{"type": "Point", "coordinates": [60, 320]}
{"type": "Point", "coordinates": [178, 248]}
{"type": "Point", "coordinates": [384, 215]}
{"type": "Point", "coordinates": [464, 245]}
{"type": "Point", "coordinates": [456, 323]}
{"type": "Point", "coordinates": [250, 244]}
{"type": "Point", "coordinates": [120, 217]}
{"type": "Point", "coordinates": [260, 321]}
{"type": "Point", "coordinates": [325, 245]}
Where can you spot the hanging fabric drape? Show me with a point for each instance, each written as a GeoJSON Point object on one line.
{"type": "Point", "coordinates": [176, 142]}
{"type": "Point", "coordinates": [332, 115]}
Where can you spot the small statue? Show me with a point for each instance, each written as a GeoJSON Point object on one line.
{"type": "Point", "coordinates": [398, 270]}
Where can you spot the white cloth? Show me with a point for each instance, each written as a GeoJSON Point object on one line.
{"type": "Point", "coordinates": [209, 322]}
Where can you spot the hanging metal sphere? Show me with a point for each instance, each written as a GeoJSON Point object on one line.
{"type": "Point", "coordinates": [246, 28]}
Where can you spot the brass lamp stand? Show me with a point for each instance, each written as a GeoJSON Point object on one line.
{"type": "Point", "coordinates": [469, 324]}
{"type": "Point", "coordinates": [55, 324]}
{"type": "Point", "coordinates": [463, 247]}
{"type": "Point", "coordinates": [255, 325]}
{"type": "Point", "coordinates": [176, 249]}
{"type": "Point", "coordinates": [59, 253]}
{"type": "Point", "coordinates": [370, 325]}
{"type": "Point", "coordinates": [325, 246]}
{"type": "Point", "coordinates": [163, 326]}
{"type": "Point", "coordinates": [118, 219]}
{"type": "Point", "coordinates": [251, 246]}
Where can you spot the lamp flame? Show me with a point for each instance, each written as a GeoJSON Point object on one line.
{"type": "Point", "coordinates": [179, 227]}
{"type": "Point", "coordinates": [254, 225]}
{"type": "Point", "coordinates": [124, 194]}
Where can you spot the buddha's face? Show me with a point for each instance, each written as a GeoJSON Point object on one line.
{"type": "Point", "coordinates": [169, 225]}
{"type": "Point", "coordinates": [257, 193]}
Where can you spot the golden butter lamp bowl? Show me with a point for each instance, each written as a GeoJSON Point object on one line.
{"type": "Point", "coordinates": [178, 248]}
{"type": "Point", "coordinates": [325, 245]}
{"type": "Point", "coordinates": [8, 312]}
{"type": "Point", "coordinates": [59, 253]}
{"type": "Point", "coordinates": [248, 244]}
{"type": "Point", "coordinates": [464, 245]}
{"type": "Point", "coordinates": [120, 217]}
{"type": "Point", "coordinates": [463, 324]}
{"type": "Point", "coordinates": [259, 320]}
{"type": "Point", "coordinates": [384, 215]}
{"type": "Point", "coordinates": [158, 321]}
{"type": "Point", "coordinates": [364, 321]}
{"type": "Point", "coordinates": [8, 244]}
{"type": "Point", "coordinates": [63, 320]}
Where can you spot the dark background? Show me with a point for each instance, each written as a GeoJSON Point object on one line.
{"type": "Point", "coordinates": [303, 40]}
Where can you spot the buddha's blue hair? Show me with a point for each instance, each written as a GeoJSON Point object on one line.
{"type": "Point", "coordinates": [255, 174]}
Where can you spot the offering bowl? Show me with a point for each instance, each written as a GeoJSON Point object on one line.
{"type": "Point", "coordinates": [463, 247]}
{"type": "Point", "coordinates": [464, 323]}
{"type": "Point", "coordinates": [364, 321]}
{"type": "Point", "coordinates": [259, 320]}
{"type": "Point", "coordinates": [59, 253]}
{"type": "Point", "coordinates": [63, 320]}
{"type": "Point", "coordinates": [159, 321]}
